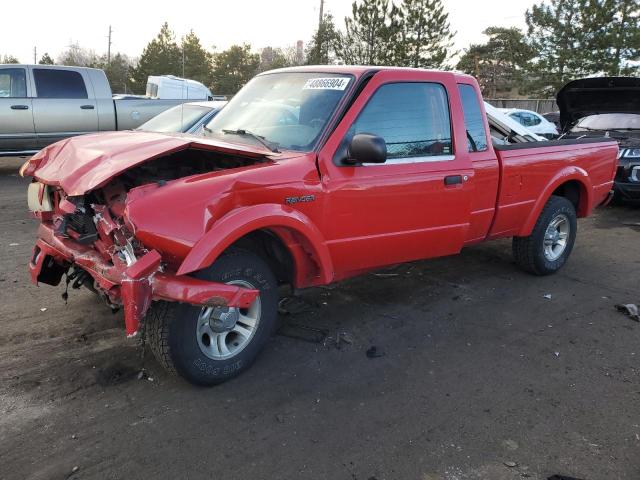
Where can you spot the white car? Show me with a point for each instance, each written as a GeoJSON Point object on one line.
{"type": "Point", "coordinates": [533, 121]}
{"type": "Point", "coordinates": [505, 130]}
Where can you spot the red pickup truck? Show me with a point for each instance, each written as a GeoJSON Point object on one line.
{"type": "Point", "coordinates": [310, 175]}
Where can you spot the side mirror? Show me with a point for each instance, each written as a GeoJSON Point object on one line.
{"type": "Point", "coordinates": [366, 148]}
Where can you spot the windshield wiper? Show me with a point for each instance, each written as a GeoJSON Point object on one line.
{"type": "Point", "coordinates": [246, 133]}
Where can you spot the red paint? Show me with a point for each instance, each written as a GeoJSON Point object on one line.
{"type": "Point", "coordinates": [360, 218]}
{"type": "Point", "coordinates": [87, 162]}
{"type": "Point", "coordinates": [137, 285]}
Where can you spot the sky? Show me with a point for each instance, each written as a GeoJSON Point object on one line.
{"type": "Point", "coordinates": [50, 26]}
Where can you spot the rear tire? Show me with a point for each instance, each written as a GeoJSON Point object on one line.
{"type": "Point", "coordinates": [192, 342]}
{"type": "Point", "coordinates": [548, 247]}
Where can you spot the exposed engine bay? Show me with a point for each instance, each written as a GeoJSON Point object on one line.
{"type": "Point", "coordinates": [97, 224]}
{"type": "Point", "coordinates": [98, 215]}
{"type": "Point", "coordinates": [180, 164]}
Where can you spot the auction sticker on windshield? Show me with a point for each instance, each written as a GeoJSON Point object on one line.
{"type": "Point", "coordinates": [332, 83]}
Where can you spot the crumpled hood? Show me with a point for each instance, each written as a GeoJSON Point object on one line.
{"type": "Point", "coordinates": [589, 96]}
{"type": "Point", "coordinates": [81, 164]}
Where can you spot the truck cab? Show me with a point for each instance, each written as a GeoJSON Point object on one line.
{"type": "Point", "coordinates": [41, 104]}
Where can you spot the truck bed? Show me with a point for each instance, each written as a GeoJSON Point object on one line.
{"type": "Point", "coordinates": [527, 169]}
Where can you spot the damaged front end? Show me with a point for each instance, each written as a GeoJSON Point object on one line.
{"type": "Point", "coordinates": [88, 238]}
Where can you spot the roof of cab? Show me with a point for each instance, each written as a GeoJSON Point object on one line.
{"type": "Point", "coordinates": [55, 67]}
{"type": "Point", "coordinates": [358, 70]}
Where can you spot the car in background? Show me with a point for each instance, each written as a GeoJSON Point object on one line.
{"type": "Point", "coordinates": [186, 118]}
{"type": "Point", "coordinates": [170, 86]}
{"type": "Point", "coordinates": [553, 117]}
{"type": "Point", "coordinates": [505, 130]}
{"type": "Point", "coordinates": [607, 107]}
{"type": "Point", "coordinates": [533, 121]}
{"type": "Point", "coordinates": [43, 104]}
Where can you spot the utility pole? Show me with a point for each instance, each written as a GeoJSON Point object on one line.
{"type": "Point", "coordinates": [109, 47]}
{"type": "Point", "coordinates": [321, 14]}
{"type": "Point", "coordinates": [476, 61]}
{"type": "Point", "coordinates": [35, 55]}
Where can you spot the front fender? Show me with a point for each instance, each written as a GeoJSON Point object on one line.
{"type": "Point", "coordinates": [241, 221]}
{"type": "Point", "coordinates": [565, 175]}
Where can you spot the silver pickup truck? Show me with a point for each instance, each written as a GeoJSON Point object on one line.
{"type": "Point", "coordinates": [41, 104]}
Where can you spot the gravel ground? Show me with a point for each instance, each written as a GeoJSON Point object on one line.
{"type": "Point", "coordinates": [482, 377]}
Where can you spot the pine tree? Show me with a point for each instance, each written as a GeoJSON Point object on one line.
{"type": "Point", "coordinates": [118, 72]}
{"type": "Point", "coordinates": [615, 27]}
{"type": "Point", "coordinates": [499, 64]}
{"type": "Point", "coordinates": [197, 61]}
{"type": "Point", "coordinates": [426, 36]}
{"type": "Point", "coordinates": [369, 33]}
{"type": "Point", "coordinates": [560, 35]}
{"type": "Point", "coordinates": [233, 68]}
{"type": "Point", "coordinates": [45, 60]}
{"type": "Point", "coordinates": [161, 56]}
{"type": "Point", "coordinates": [322, 47]}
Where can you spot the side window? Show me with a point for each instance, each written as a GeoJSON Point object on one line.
{"type": "Point", "coordinates": [13, 83]}
{"type": "Point", "coordinates": [473, 119]}
{"type": "Point", "coordinates": [413, 119]}
{"type": "Point", "coordinates": [535, 119]}
{"type": "Point", "coordinates": [517, 116]}
{"type": "Point", "coordinates": [51, 83]}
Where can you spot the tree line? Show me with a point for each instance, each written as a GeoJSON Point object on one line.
{"type": "Point", "coordinates": [564, 39]}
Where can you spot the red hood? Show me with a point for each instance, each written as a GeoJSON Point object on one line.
{"type": "Point", "coordinates": [81, 164]}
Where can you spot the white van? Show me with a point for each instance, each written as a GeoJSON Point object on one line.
{"type": "Point", "coordinates": [170, 86]}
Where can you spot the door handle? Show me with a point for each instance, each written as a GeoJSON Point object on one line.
{"type": "Point", "coordinates": [19, 107]}
{"type": "Point", "coordinates": [453, 179]}
{"type": "Point", "coordinates": [87, 107]}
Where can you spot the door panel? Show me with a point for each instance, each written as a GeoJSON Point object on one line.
{"type": "Point", "coordinates": [61, 105]}
{"type": "Point", "coordinates": [404, 209]}
{"type": "Point", "coordinates": [16, 111]}
{"type": "Point", "coordinates": [400, 214]}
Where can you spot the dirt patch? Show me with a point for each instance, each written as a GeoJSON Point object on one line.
{"type": "Point", "coordinates": [483, 376]}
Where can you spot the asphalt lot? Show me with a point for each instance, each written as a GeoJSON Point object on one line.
{"type": "Point", "coordinates": [482, 377]}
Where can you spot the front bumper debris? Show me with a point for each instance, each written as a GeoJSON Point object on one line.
{"type": "Point", "coordinates": [133, 286]}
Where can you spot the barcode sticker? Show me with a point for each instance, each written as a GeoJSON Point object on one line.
{"type": "Point", "coordinates": [332, 83]}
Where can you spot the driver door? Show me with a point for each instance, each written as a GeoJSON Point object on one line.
{"type": "Point", "coordinates": [416, 204]}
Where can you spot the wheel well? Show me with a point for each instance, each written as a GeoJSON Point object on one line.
{"type": "Point", "coordinates": [574, 191]}
{"type": "Point", "coordinates": [270, 247]}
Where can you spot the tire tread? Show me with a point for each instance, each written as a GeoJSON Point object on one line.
{"type": "Point", "coordinates": [524, 248]}
{"type": "Point", "coordinates": [158, 334]}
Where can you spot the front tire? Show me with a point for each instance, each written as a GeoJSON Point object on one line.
{"type": "Point", "coordinates": [548, 247]}
{"type": "Point", "coordinates": [208, 345]}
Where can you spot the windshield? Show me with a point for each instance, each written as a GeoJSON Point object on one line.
{"type": "Point", "coordinates": [288, 110]}
{"type": "Point", "coordinates": [176, 119]}
{"type": "Point", "coordinates": [608, 121]}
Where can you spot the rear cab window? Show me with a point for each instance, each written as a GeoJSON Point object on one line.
{"type": "Point", "coordinates": [52, 83]}
{"type": "Point", "coordinates": [413, 118]}
{"type": "Point", "coordinates": [473, 118]}
{"type": "Point", "coordinates": [13, 83]}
